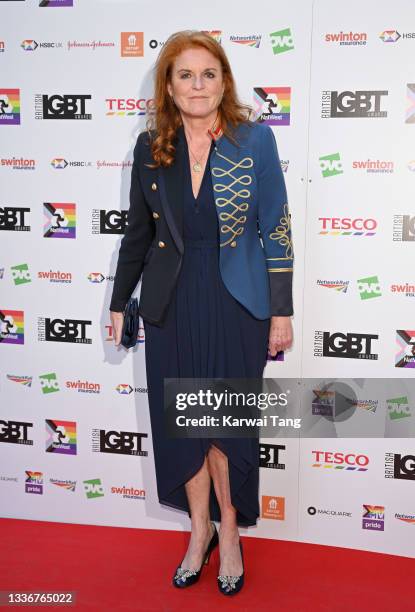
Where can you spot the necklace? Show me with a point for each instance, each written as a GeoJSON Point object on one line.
{"type": "Point", "coordinates": [197, 167]}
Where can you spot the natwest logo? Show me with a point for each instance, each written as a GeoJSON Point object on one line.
{"type": "Point", "coordinates": [340, 461]}
{"type": "Point", "coordinates": [347, 226]}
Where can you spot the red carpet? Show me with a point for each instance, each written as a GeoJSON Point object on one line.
{"type": "Point", "coordinates": [130, 569]}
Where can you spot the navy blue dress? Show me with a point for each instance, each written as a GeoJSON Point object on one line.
{"type": "Point", "coordinates": [207, 333]}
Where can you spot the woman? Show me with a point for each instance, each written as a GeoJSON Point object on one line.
{"type": "Point", "coordinates": [208, 226]}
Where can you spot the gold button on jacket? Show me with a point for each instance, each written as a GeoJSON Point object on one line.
{"type": "Point", "coordinates": [233, 243]}
{"type": "Point", "coordinates": [154, 186]}
{"type": "Point", "coordinates": [155, 215]}
{"type": "Point", "coordinates": [161, 244]}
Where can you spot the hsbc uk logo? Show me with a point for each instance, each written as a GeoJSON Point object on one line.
{"type": "Point", "coordinates": [331, 165]}
{"type": "Point", "coordinates": [62, 106]}
{"type": "Point", "coordinates": [345, 345]}
{"type": "Point", "coordinates": [353, 104]}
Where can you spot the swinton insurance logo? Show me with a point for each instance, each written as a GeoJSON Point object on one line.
{"type": "Point", "coordinates": [18, 163]}
{"type": "Point", "coordinates": [346, 38]}
{"type": "Point", "coordinates": [9, 106]}
{"type": "Point", "coordinates": [374, 166]}
{"type": "Point", "coordinates": [347, 226]}
{"type": "Point", "coordinates": [281, 41]}
{"type": "Point", "coordinates": [60, 220]}
{"type": "Point", "coordinates": [345, 345]}
{"type": "Point", "coordinates": [347, 104]}
{"type": "Point", "coordinates": [12, 326]}
{"type": "Point", "coordinates": [128, 107]}
{"type": "Point", "coordinates": [60, 437]}
{"type": "Point", "coordinates": [405, 354]}
{"type": "Point", "coordinates": [373, 517]}
{"type": "Point", "coordinates": [62, 106]}
{"type": "Point", "coordinates": [272, 105]}
{"type": "Point", "coordinates": [63, 330]}
{"type": "Point", "coordinates": [119, 442]}
{"type": "Point", "coordinates": [405, 289]}
{"type": "Point", "coordinates": [349, 462]}
{"type": "Point", "coordinates": [109, 221]}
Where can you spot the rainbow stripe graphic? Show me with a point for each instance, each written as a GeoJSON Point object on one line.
{"type": "Point", "coordinates": [9, 106]}
{"type": "Point", "coordinates": [61, 437]}
{"type": "Point", "coordinates": [272, 105]}
{"type": "Point", "coordinates": [12, 326]}
{"type": "Point", "coordinates": [60, 220]}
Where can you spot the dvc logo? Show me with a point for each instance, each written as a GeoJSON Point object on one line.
{"type": "Point", "coordinates": [49, 383]}
{"type": "Point", "coordinates": [20, 274]}
{"type": "Point", "coordinates": [282, 41]}
{"type": "Point", "coordinates": [331, 165]}
{"type": "Point", "coordinates": [369, 287]}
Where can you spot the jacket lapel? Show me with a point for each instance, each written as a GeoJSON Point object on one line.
{"type": "Point", "coordinates": [171, 183]}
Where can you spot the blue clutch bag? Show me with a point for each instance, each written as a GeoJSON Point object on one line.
{"type": "Point", "coordinates": [129, 332]}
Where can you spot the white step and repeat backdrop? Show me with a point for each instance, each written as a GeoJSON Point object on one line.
{"type": "Point", "coordinates": [337, 85]}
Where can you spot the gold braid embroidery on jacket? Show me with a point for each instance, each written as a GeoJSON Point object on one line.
{"type": "Point", "coordinates": [281, 234]}
{"type": "Point", "coordinates": [231, 217]}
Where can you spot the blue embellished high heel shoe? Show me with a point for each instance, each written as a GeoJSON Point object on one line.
{"type": "Point", "coordinates": [186, 577]}
{"type": "Point", "coordinates": [230, 585]}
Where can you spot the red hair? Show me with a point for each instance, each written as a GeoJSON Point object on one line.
{"type": "Point", "coordinates": [166, 118]}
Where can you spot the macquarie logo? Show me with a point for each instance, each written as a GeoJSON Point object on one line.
{"type": "Point", "coordinates": [374, 166]}
{"type": "Point", "coordinates": [346, 38]}
{"type": "Point", "coordinates": [269, 456]}
{"type": "Point", "coordinates": [93, 488]}
{"type": "Point", "coordinates": [328, 512]}
{"type": "Point", "coordinates": [399, 466]}
{"type": "Point", "coordinates": [9, 106]}
{"type": "Point", "coordinates": [63, 330]}
{"type": "Point", "coordinates": [331, 165]}
{"type": "Point", "coordinates": [129, 107]}
{"type": "Point", "coordinates": [60, 220]}
{"type": "Point", "coordinates": [345, 345]}
{"type": "Point", "coordinates": [373, 517]}
{"type": "Point", "coordinates": [281, 41]}
{"type": "Point", "coordinates": [350, 462]}
{"type": "Point", "coordinates": [13, 219]}
{"type": "Point", "coordinates": [405, 353]}
{"type": "Point", "coordinates": [21, 274]}
{"type": "Point", "coordinates": [49, 383]}
{"type": "Point", "coordinates": [272, 105]}
{"type": "Point", "coordinates": [340, 286]}
{"type": "Point", "coordinates": [34, 482]}
{"type": "Point", "coordinates": [119, 442]}
{"type": "Point", "coordinates": [347, 104]}
{"type": "Point", "coordinates": [132, 44]}
{"type": "Point", "coordinates": [15, 432]}
{"type": "Point", "coordinates": [12, 326]}
{"type": "Point", "coordinates": [18, 163]}
{"type": "Point", "coordinates": [403, 228]}
{"type": "Point", "coordinates": [253, 40]}
{"type": "Point", "coordinates": [62, 106]}
{"type": "Point", "coordinates": [109, 221]}
{"type": "Point", "coordinates": [346, 226]}
{"type": "Point", "coordinates": [369, 288]}
{"type": "Point", "coordinates": [60, 437]}
{"type": "Point", "coordinates": [398, 408]}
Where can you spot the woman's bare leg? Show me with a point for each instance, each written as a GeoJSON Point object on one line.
{"type": "Point", "coordinates": [230, 556]}
{"type": "Point", "coordinates": [198, 491]}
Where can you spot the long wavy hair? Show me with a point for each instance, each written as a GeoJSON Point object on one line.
{"type": "Point", "coordinates": [166, 119]}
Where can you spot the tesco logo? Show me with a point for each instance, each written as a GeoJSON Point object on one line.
{"type": "Point", "coordinates": [349, 461]}
{"type": "Point", "coordinates": [347, 223]}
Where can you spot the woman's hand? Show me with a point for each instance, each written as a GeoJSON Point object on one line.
{"type": "Point", "coordinates": [280, 335]}
{"type": "Point", "coordinates": [117, 320]}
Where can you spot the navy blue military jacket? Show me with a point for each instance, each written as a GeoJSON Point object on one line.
{"type": "Point", "coordinates": [256, 254]}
